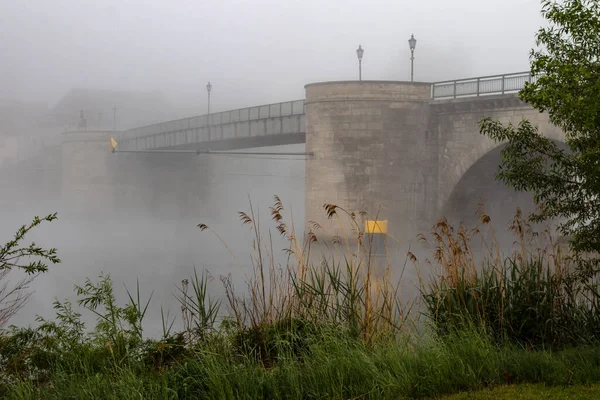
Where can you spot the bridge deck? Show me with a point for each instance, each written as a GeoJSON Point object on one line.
{"type": "Point", "coordinates": [282, 123]}
{"type": "Point", "coordinates": [261, 126]}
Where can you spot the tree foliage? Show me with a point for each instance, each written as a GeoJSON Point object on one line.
{"type": "Point", "coordinates": [566, 67]}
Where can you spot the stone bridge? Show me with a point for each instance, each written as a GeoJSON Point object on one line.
{"type": "Point", "coordinates": [406, 152]}
{"type": "Point", "coordinates": [398, 152]}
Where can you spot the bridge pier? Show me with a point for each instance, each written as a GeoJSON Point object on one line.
{"type": "Point", "coordinates": [97, 184]}
{"type": "Point", "coordinates": [87, 187]}
{"type": "Point", "coordinates": [373, 152]}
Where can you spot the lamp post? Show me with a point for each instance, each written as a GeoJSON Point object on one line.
{"type": "Point", "coordinates": [412, 42]}
{"type": "Point", "coordinates": [208, 89]}
{"type": "Point", "coordinates": [359, 54]}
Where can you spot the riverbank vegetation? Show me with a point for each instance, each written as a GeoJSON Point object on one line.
{"type": "Point", "coordinates": [339, 330]}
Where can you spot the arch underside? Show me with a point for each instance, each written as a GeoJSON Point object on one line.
{"type": "Point", "coordinates": [479, 187]}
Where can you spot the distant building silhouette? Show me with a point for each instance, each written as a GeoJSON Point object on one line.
{"type": "Point", "coordinates": [134, 109]}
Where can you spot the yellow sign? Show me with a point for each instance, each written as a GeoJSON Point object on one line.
{"type": "Point", "coordinates": [376, 226]}
{"type": "Point", "coordinates": [113, 143]}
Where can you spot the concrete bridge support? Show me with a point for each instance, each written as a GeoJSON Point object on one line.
{"type": "Point", "coordinates": [374, 151]}
{"type": "Point", "coordinates": [99, 184]}
{"type": "Point", "coordinates": [87, 189]}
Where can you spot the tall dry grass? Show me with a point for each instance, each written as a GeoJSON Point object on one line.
{"type": "Point", "coordinates": [347, 292]}
{"type": "Point", "coordinates": [535, 295]}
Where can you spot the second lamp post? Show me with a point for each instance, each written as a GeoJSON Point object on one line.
{"type": "Point", "coordinates": [359, 54]}
{"type": "Point", "coordinates": [412, 42]}
{"type": "Point", "coordinates": [208, 89]}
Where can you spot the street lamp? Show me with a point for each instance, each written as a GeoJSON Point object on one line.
{"type": "Point", "coordinates": [412, 42]}
{"type": "Point", "coordinates": [359, 54]}
{"type": "Point", "coordinates": [208, 89]}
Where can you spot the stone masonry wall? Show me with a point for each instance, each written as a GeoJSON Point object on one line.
{"type": "Point", "coordinates": [373, 152]}
{"type": "Point", "coordinates": [387, 148]}
{"type": "Point", "coordinates": [460, 142]}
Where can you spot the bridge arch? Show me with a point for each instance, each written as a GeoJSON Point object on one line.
{"type": "Point", "coordinates": [462, 148]}
{"type": "Point", "coordinates": [479, 184]}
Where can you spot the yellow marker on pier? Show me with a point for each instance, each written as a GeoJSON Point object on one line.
{"type": "Point", "coordinates": [376, 226]}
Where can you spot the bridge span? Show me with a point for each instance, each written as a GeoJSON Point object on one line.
{"type": "Point", "coordinates": [260, 126]}
{"type": "Point", "coordinates": [409, 152]}
{"type": "Point", "coordinates": [281, 123]}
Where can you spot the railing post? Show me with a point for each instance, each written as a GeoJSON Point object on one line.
{"type": "Point", "coordinates": [478, 80]}
{"type": "Point", "coordinates": [503, 84]}
{"type": "Point", "coordinates": [454, 90]}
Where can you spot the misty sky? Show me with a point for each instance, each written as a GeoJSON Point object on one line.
{"type": "Point", "coordinates": [253, 52]}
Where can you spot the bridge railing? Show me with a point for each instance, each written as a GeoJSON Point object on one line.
{"type": "Point", "coordinates": [481, 86]}
{"type": "Point", "coordinates": [288, 108]}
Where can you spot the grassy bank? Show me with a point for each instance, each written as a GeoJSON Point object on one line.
{"type": "Point", "coordinates": [338, 330]}
{"type": "Point", "coordinates": [332, 366]}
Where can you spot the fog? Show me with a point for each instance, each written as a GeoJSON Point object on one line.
{"type": "Point", "coordinates": [153, 59]}
{"type": "Point", "coordinates": [253, 52]}
{"type": "Point", "coordinates": [161, 244]}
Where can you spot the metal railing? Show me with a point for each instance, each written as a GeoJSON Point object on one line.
{"type": "Point", "coordinates": [266, 111]}
{"type": "Point", "coordinates": [481, 86]}
{"type": "Point", "coordinates": [288, 117]}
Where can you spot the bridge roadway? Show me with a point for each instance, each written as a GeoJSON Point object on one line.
{"type": "Point", "coordinates": [281, 123]}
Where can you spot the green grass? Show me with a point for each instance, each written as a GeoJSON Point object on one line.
{"type": "Point", "coordinates": [334, 366]}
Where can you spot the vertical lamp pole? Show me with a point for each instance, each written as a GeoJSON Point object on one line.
{"type": "Point", "coordinates": [208, 89]}
{"type": "Point", "coordinates": [359, 54]}
{"type": "Point", "coordinates": [412, 42]}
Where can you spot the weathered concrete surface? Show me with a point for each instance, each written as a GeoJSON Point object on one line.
{"type": "Point", "coordinates": [372, 152]}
